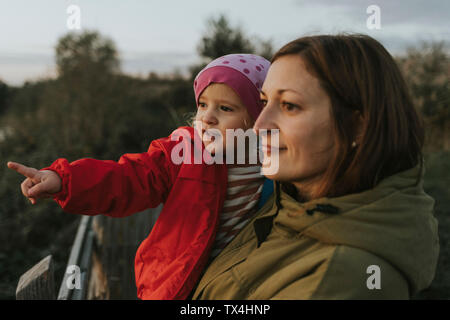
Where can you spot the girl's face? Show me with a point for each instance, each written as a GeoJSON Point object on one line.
{"type": "Point", "coordinates": [219, 107]}
{"type": "Point", "coordinates": [299, 108]}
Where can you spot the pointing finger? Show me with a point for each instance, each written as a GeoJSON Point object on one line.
{"type": "Point", "coordinates": [24, 170]}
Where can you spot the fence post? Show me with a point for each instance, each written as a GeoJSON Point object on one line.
{"type": "Point", "coordinates": [79, 254]}
{"type": "Point", "coordinates": [37, 283]}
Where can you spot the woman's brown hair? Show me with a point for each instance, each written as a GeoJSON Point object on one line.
{"type": "Point", "coordinates": [362, 79]}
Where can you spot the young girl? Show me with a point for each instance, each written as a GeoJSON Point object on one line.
{"type": "Point", "coordinates": [205, 205]}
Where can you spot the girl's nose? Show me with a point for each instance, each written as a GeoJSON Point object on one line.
{"type": "Point", "coordinates": [209, 118]}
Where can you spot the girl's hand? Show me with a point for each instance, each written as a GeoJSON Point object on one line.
{"type": "Point", "coordinates": [38, 184]}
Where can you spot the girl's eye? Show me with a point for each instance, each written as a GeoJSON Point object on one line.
{"type": "Point", "coordinates": [201, 104]}
{"type": "Point", "coordinates": [225, 108]}
{"type": "Point", "coordinates": [289, 106]}
{"type": "Point", "coordinates": [263, 102]}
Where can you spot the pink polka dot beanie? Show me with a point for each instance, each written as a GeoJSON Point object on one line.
{"type": "Point", "coordinates": [244, 73]}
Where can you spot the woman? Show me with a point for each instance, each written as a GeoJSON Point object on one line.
{"type": "Point", "coordinates": [349, 218]}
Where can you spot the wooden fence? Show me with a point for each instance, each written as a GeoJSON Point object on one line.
{"type": "Point", "coordinates": [104, 249]}
{"type": "Point", "coordinates": [101, 261]}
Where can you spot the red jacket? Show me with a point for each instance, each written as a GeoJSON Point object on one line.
{"type": "Point", "coordinates": [169, 262]}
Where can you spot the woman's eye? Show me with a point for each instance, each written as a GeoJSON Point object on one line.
{"type": "Point", "coordinates": [201, 104]}
{"type": "Point", "coordinates": [225, 108]}
{"type": "Point", "coordinates": [289, 106]}
{"type": "Point", "coordinates": [263, 102]}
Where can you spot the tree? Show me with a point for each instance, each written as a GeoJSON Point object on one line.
{"type": "Point", "coordinates": [427, 72]}
{"type": "Point", "coordinates": [4, 94]}
{"type": "Point", "coordinates": [221, 39]}
{"type": "Point", "coordinates": [88, 51]}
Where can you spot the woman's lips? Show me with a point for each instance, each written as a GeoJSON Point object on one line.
{"type": "Point", "coordinates": [268, 149]}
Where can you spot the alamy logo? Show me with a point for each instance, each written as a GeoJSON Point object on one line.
{"type": "Point", "coordinates": [238, 147]}
{"type": "Point", "coordinates": [73, 281]}
{"type": "Point", "coordinates": [374, 281]}
{"type": "Point", "coordinates": [374, 20]}
{"type": "Point", "coordinates": [74, 20]}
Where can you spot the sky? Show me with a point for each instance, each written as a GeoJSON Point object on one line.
{"type": "Point", "coordinates": [162, 36]}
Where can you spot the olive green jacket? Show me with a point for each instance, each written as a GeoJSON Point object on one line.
{"type": "Point", "coordinates": [381, 244]}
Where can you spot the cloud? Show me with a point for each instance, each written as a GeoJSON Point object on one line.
{"type": "Point", "coordinates": [419, 12]}
{"type": "Point", "coordinates": [404, 23]}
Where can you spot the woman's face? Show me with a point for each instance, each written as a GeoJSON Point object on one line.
{"type": "Point", "coordinates": [299, 108]}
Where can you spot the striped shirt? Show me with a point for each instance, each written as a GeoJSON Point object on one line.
{"type": "Point", "coordinates": [245, 184]}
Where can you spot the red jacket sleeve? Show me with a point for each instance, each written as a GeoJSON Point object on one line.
{"type": "Point", "coordinates": [136, 182]}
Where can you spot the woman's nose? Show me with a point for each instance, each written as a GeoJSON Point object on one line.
{"type": "Point", "coordinates": [265, 120]}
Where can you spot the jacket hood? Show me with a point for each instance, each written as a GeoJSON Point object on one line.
{"type": "Point", "coordinates": [394, 221]}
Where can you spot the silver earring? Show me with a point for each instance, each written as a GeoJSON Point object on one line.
{"type": "Point", "coordinates": [353, 144]}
